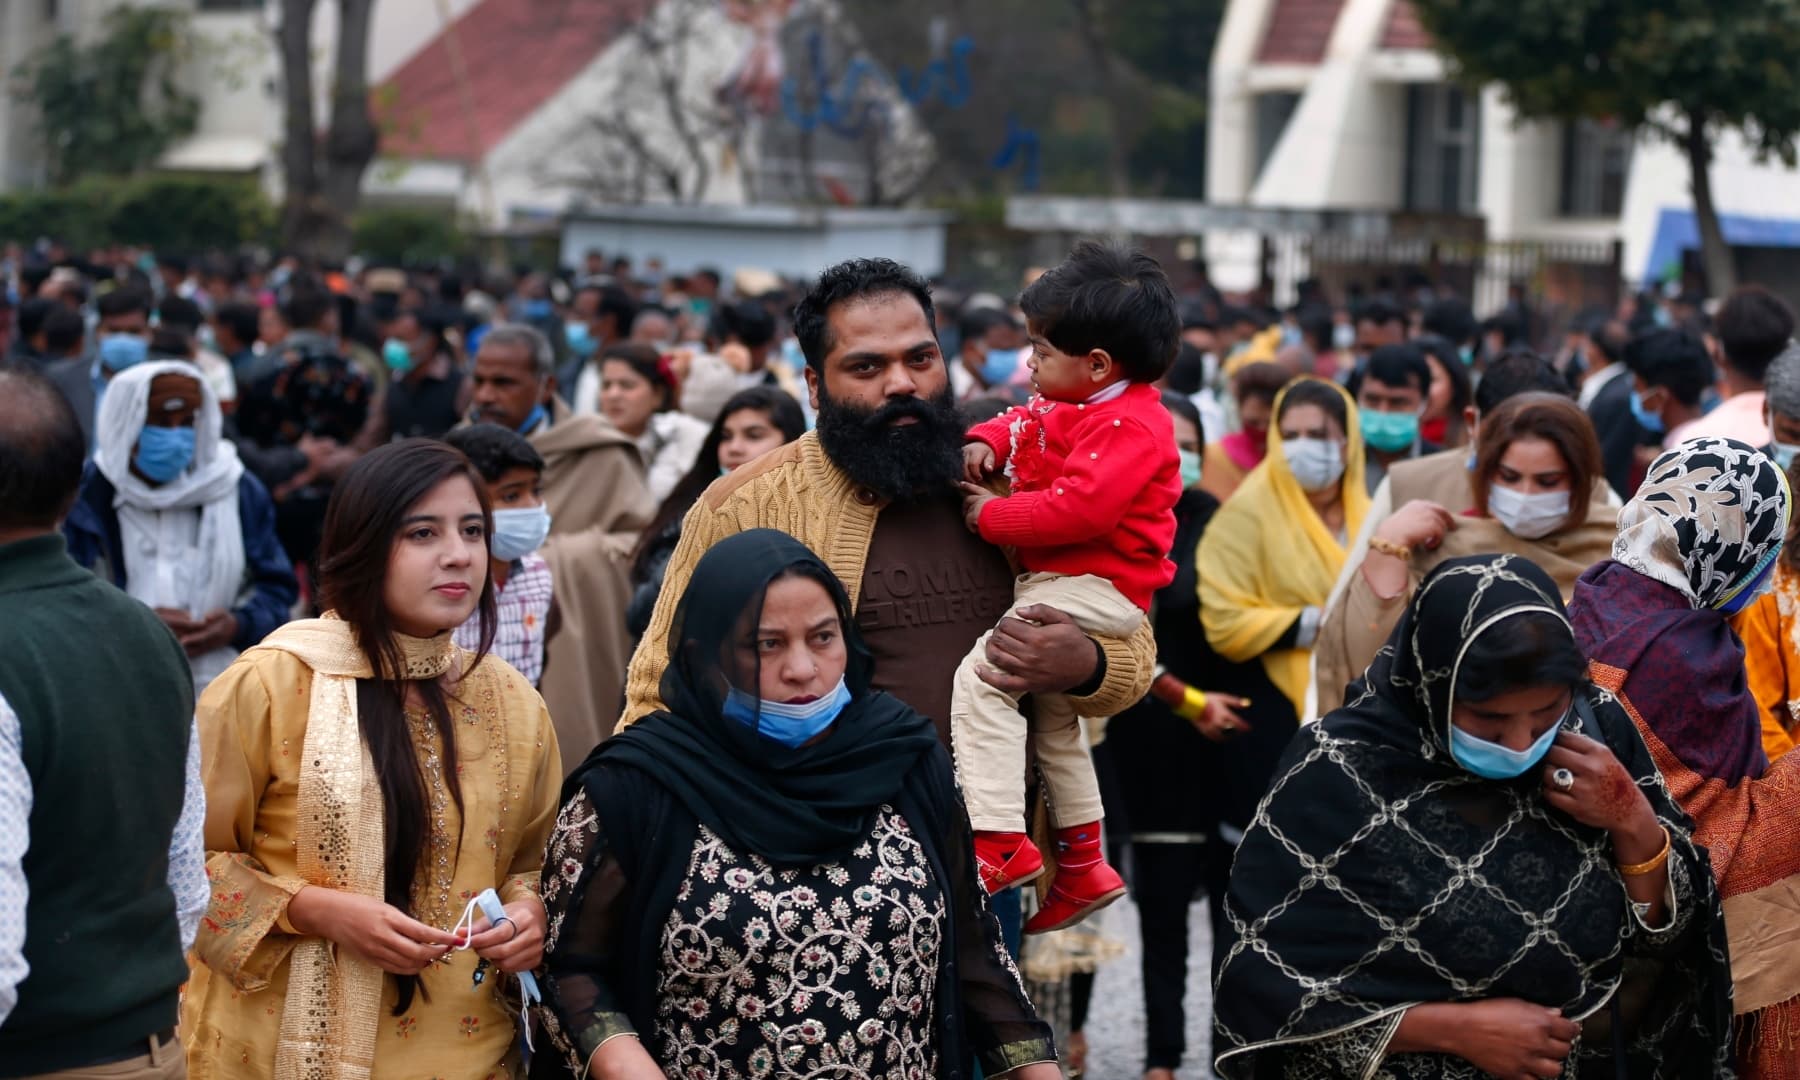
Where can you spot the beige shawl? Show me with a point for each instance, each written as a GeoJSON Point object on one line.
{"type": "Point", "coordinates": [333, 1007]}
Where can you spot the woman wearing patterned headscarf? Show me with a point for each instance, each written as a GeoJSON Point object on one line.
{"type": "Point", "coordinates": [1696, 545]}
{"type": "Point", "coordinates": [1473, 870]}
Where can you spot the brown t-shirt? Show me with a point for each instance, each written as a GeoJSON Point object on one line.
{"type": "Point", "coordinates": [930, 589]}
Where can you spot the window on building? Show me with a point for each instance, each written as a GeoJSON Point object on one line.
{"type": "Point", "coordinates": [1443, 149]}
{"type": "Point", "coordinates": [1595, 161]}
{"type": "Point", "coordinates": [1273, 111]}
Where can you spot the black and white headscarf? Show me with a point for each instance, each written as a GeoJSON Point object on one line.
{"type": "Point", "coordinates": [1378, 874]}
{"type": "Point", "coordinates": [1709, 517]}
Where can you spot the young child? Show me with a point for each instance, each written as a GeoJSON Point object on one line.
{"type": "Point", "coordinates": [514, 473]}
{"type": "Point", "coordinates": [1095, 476]}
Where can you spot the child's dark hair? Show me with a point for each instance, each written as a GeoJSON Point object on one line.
{"type": "Point", "coordinates": [494, 450]}
{"type": "Point", "coordinates": [1108, 297]}
{"type": "Point", "coordinates": [1532, 649]}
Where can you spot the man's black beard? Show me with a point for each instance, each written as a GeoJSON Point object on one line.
{"type": "Point", "coordinates": [903, 464]}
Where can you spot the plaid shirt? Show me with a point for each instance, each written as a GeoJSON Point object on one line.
{"type": "Point", "coordinates": [522, 605]}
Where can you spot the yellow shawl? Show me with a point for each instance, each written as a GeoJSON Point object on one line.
{"type": "Point", "coordinates": [1267, 556]}
{"type": "Point", "coordinates": [333, 1006]}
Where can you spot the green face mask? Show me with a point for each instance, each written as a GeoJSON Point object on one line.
{"type": "Point", "coordinates": [396, 355]}
{"type": "Point", "coordinates": [1389, 432]}
{"type": "Point", "coordinates": [1190, 468]}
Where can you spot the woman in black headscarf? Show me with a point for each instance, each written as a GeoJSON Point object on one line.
{"type": "Point", "coordinates": [1473, 869]}
{"type": "Point", "coordinates": [775, 876]}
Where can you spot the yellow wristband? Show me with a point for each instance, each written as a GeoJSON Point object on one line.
{"type": "Point", "coordinates": [1655, 864]}
{"type": "Point", "coordinates": [1388, 547]}
{"type": "Point", "coordinates": [1193, 703]}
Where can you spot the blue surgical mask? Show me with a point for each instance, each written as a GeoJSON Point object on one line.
{"type": "Point", "coordinates": [580, 338]}
{"type": "Point", "coordinates": [790, 725]}
{"type": "Point", "coordinates": [518, 531]}
{"type": "Point", "coordinates": [1649, 421]}
{"type": "Point", "coordinates": [1190, 468]}
{"type": "Point", "coordinates": [1389, 432]}
{"type": "Point", "coordinates": [120, 351]}
{"type": "Point", "coordinates": [1783, 454]}
{"type": "Point", "coordinates": [533, 418]}
{"type": "Point", "coordinates": [1761, 581]}
{"type": "Point", "coordinates": [163, 453]}
{"type": "Point", "coordinates": [1343, 335]}
{"type": "Point", "coordinates": [396, 355]}
{"type": "Point", "coordinates": [537, 310]}
{"type": "Point", "coordinates": [998, 365]}
{"type": "Point", "coordinates": [1495, 762]}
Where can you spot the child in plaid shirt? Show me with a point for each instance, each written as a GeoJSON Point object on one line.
{"type": "Point", "coordinates": [513, 472]}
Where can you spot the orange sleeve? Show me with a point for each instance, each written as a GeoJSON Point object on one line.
{"type": "Point", "coordinates": [1765, 664]}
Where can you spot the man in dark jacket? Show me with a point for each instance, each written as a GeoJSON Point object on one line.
{"type": "Point", "coordinates": [102, 867]}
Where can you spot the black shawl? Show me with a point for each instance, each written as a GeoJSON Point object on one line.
{"type": "Point", "coordinates": [1379, 874]}
{"type": "Point", "coordinates": [793, 807]}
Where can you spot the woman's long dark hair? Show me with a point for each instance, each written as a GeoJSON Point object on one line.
{"type": "Point", "coordinates": [362, 524]}
{"type": "Point", "coordinates": [781, 409]}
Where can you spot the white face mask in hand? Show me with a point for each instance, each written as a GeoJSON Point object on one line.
{"type": "Point", "coordinates": [1528, 517]}
{"type": "Point", "coordinates": [1316, 463]}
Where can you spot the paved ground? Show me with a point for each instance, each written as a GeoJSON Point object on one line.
{"type": "Point", "coordinates": [1115, 1027]}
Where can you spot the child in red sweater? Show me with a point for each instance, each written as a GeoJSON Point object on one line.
{"type": "Point", "coordinates": [1095, 476]}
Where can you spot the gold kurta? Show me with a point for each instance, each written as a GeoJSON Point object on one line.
{"type": "Point", "coordinates": [253, 725]}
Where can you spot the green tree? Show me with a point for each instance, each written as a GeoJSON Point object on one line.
{"type": "Point", "coordinates": [1686, 70]}
{"type": "Point", "coordinates": [112, 107]}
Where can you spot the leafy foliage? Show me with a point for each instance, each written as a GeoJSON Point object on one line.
{"type": "Point", "coordinates": [168, 213]}
{"type": "Point", "coordinates": [1729, 63]}
{"type": "Point", "coordinates": [408, 237]}
{"type": "Point", "coordinates": [112, 107]}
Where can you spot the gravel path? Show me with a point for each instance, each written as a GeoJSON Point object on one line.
{"type": "Point", "coordinates": [1115, 1027]}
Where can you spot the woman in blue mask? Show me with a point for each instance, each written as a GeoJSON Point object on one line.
{"type": "Point", "coordinates": [1472, 870]}
{"type": "Point", "coordinates": [168, 513]}
{"type": "Point", "coordinates": [1697, 545]}
{"type": "Point", "coordinates": [783, 854]}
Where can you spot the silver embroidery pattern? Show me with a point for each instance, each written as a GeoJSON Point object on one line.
{"type": "Point", "coordinates": [828, 971]}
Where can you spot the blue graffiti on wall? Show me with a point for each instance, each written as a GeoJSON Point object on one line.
{"type": "Point", "coordinates": [945, 79]}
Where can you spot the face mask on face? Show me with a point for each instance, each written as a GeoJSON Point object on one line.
{"type": "Point", "coordinates": [163, 453]}
{"type": "Point", "coordinates": [580, 338]}
{"type": "Point", "coordinates": [1762, 581]}
{"type": "Point", "coordinates": [790, 725]}
{"type": "Point", "coordinates": [518, 531]}
{"type": "Point", "coordinates": [1649, 421]}
{"type": "Point", "coordinates": [1190, 468]}
{"type": "Point", "coordinates": [120, 351]}
{"type": "Point", "coordinates": [998, 365]}
{"type": "Point", "coordinates": [396, 355]}
{"type": "Point", "coordinates": [1389, 432]}
{"type": "Point", "coordinates": [1783, 455]}
{"type": "Point", "coordinates": [1528, 517]}
{"type": "Point", "coordinates": [537, 310]}
{"type": "Point", "coordinates": [1492, 761]}
{"type": "Point", "coordinates": [1316, 463]}
{"type": "Point", "coordinates": [1343, 335]}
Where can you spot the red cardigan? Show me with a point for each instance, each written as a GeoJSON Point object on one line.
{"type": "Point", "coordinates": [1093, 488]}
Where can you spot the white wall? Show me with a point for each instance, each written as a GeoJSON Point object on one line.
{"type": "Point", "coordinates": [795, 243]}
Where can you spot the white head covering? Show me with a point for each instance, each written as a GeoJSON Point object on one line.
{"type": "Point", "coordinates": [172, 561]}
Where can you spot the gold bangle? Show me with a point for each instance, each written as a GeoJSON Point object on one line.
{"type": "Point", "coordinates": [1651, 867]}
{"type": "Point", "coordinates": [1388, 547]}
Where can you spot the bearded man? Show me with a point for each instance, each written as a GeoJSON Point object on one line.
{"type": "Point", "coordinates": [873, 493]}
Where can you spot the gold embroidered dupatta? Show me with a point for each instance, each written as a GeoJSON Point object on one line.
{"type": "Point", "coordinates": [333, 1006]}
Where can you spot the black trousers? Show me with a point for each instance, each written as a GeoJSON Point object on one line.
{"type": "Point", "coordinates": [1166, 879]}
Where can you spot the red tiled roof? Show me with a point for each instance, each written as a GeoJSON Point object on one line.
{"type": "Point", "coordinates": [1298, 31]}
{"type": "Point", "coordinates": [1404, 30]}
{"type": "Point", "coordinates": [517, 53]}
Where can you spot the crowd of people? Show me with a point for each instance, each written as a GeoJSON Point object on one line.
{"type": "Point", "coordinates": [623, 673]}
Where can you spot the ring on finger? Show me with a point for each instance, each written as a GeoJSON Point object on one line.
{"type": "Point", "coordinates": [1562, 780]}
{"type": "Point", "coordinates": [509, 922]}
